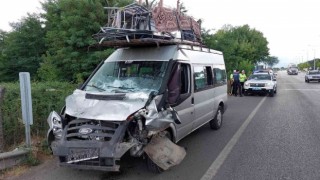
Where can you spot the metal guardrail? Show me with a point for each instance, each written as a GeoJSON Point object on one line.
{"type": "Point", "coordinates": [10, 159]}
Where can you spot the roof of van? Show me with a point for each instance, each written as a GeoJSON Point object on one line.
{"type": "Point", "coordinates": [194, 54]}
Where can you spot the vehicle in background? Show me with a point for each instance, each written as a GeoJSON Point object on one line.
{"type": "Point", "coordinates": [264, 71]}
{"type": "Point", "coordinates": [312, 75]}
{"type": "Point", "coordinates": [260, 83]}
{"type": "Point", "coordinates": [261, 71]}
{"type": "Point", "coordinates": [275, 73]}
{"type": "Point", "coordinates": [292, 69]}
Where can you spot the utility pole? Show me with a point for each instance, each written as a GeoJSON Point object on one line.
{"type": "Point", "coordinates": [314, 59]}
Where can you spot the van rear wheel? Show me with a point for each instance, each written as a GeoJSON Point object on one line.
{"type": "Point", "coordinates": [216, 122]}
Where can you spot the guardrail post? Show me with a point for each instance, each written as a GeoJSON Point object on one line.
{"type": "Point", "coordinates": [2, 91]}
{"type": "Point", "coordinates": [26, 104]}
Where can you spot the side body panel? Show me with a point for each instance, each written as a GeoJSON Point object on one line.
{"type": "Point", "coordinates": [205, 102]}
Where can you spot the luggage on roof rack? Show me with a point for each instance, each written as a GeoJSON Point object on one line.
{"type": "Point", "coordinates": [135, 25]}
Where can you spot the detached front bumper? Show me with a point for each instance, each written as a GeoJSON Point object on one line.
{"type": "Point", "coordinates": [92, 153]}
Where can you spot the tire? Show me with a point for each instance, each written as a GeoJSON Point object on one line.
{"type": "Point", "coordinates": [271, 94]}
{"type": "Point", "coordinates": [153, 167]}
{"type": "Point", "coordinates": [216, 122]}
{"type": "Point", "coordinates": [245, 93]}
{"type": "Point", "coordinates": [308, 80]}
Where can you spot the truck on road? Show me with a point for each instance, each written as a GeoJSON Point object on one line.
{"type": "Point", "coordinates": [292, 69]}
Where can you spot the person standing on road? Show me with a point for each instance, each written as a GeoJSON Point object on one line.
{"type": "Point", "coordinates": [242, 78]}
{"type": "Point", "coordinates": [231, 83]}
{"type": "Point", "coordinates": [236, 84]}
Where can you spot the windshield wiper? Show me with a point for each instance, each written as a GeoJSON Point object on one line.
{"type": "Point", "coordinates": [120, 87]}
{"type": "Point", "coordinates": [99, 88]}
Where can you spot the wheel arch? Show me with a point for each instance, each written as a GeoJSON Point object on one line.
{"type": "Point", "coordinates": [172, 131]}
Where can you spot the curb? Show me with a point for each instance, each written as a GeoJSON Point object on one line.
{"type": "Point", "coordinates": [12, 158]}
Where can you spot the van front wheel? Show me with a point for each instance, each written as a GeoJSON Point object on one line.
{"type": "Point", "coordinates": [216, 123]}
{"type": "Point", "coordinates": [153, 167]}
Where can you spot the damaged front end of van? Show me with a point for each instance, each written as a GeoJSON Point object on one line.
{"type": "Point", "coordinates": [120, 109]}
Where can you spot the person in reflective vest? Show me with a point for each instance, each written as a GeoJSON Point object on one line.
{"type": "Point", "coordinates": [243, 78]}
{"type": "Point", "coordinates": [231, 83]}
{"type": "Point", "coordinates": [236, 84]}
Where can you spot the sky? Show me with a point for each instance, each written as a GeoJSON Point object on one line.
{"type": "Point", "coordinates": [291, 27]}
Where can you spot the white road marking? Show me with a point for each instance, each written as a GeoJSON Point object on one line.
{"type": "Point", "coordinates": [214, 167]}
{"type": "Point", "coordinates": [301, 89]}
{"type": "Point", "coordinates": [295, 83]}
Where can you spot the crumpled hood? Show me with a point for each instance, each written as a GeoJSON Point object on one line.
{"type": "Point", "coordinates": [79, 106]}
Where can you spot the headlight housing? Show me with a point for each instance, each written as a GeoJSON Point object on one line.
{"type": "Point", "coordinates": [55, 123]}
{"type": "Point", "coordinates": [246, 84]}
{"type": "Point", "coordinates": [269, 84]}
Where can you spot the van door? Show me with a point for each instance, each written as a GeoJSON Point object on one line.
{"type": "Point", "coordinates": [184, 105]}
{"type": "Point", "coordinates": [203, 94]}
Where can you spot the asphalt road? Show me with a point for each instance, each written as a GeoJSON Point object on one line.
{"type": "Point", "coordinates": [262, 138]}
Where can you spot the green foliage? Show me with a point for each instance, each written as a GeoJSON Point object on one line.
{"type": "Point", "coordinates": [70, 25]}
{"type": "Point", "coordinates": [247, 66]}
{"type": "Point", "coordinates": [21, 49]}
{"type": "Point", "coordinates": [318, 63]}
{"type": "Point", "coordinates": [238, 44]}
{"type": "Point", "coordinates": [304, 65]}
{"type": "Point", "coordinates": [270, 61]}
{"type": "Point", "coordinates": [118, 3]}
{"type": "Point", "coordinates": [46, 97]}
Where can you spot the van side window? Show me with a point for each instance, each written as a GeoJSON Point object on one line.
{"type": "Point", "coordinates": [203, 77]}
{"type": "Point", "coordinates": [219, 76]}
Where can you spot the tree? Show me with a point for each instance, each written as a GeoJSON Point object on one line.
{"type": "Point", "coordinates": [238, 44]}
{"type": "Point", "coordinates": [304, 65]}
{"type": "Point", "coordinates": [70, 25]}
{"type": "Point", "coordinates": [21, 49]}
{"type": "Point", "coordinates": [270, 61]}
{"type": "Point", "coordinates": [318, 64]}
{"type": "Point", "coordinates": [118, 3]}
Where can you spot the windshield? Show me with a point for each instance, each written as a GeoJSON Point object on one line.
{"type": "Point", "coordinates": [128, 76]}
{"type": "Point", "coordinates": [314, 72]}
{"type": "Point", "coordinates": [260, 77]}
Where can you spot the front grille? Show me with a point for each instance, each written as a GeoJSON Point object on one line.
{"type": "Point", "coordinates": [316, 77]}
{"type": "Point", "coordinates": [87, 129]}
{"type": "Point", "coordinates": [257, 84]}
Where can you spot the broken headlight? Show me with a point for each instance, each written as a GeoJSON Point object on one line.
{"type": "Point", "coordinates": [55, 123]}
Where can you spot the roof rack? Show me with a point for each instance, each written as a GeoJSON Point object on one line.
{"type": "Point", "coordinates": [135, 25]}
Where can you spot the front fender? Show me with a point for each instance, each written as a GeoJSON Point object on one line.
{"type": "Point", "coordinates": [173, 129]}
{"type": "Point", "coordinates": [50, 137]}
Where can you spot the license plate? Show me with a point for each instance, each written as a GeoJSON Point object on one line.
{"type": "Point", "coordinates": [256, 88]}
{"type": "Point", "coordinates": [82, 154]}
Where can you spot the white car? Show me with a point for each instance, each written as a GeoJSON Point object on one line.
{"type": "Point", "coordinates": [313, 75]}
{"type": "Point", "coordinates": [260, 83]}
